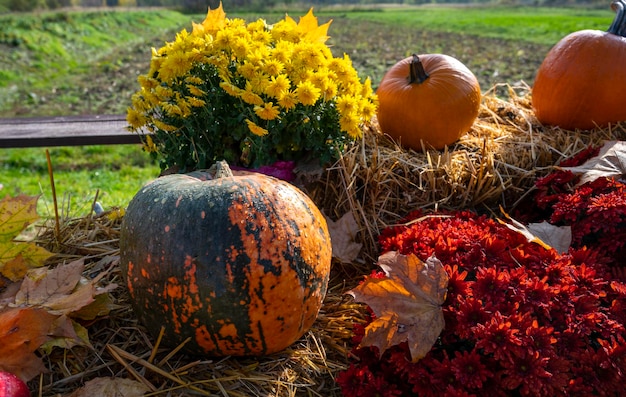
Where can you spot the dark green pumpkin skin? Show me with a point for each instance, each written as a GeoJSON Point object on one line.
{"type": "Point", "coordinates": [239, 264]}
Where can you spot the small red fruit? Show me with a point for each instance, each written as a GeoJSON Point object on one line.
{"type": "Point", "coordinates": [12, 386]}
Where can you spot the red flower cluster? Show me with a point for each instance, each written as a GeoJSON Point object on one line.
{"type": "Point", "coordinates": [521, 320]}
{"type": "Point", "coordinates": [596, 211]}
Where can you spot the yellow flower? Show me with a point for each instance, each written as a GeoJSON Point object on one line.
{"type": "Point", "coordinates": [248, 96]}
{"type": "Point", "coordinates": [224, 39]}
{"type": "Point", "coordinates": [195, 102]}
{"type": "Point", "coordinates": [149, 145]}
{"type": "Point", "coordinates": [268, 111]}
{"type": "Point", "coordinates": [147, 82]}
{"type": "Point", "coordinates": [240, 47]}
{"type": "Point", "coordinates": [307, 93]}
{"type": "Point", "coordinates": [262, 37]}
{"type": "Point", "coordinates": [255, 129]}
{"type": "Point", "coordinates": [273, 67]}
{"type": "Point", "coordinates": [135, 118]}
{"type": "Point", "coordinates": [230, 89]}
{"type": "Point", "coordinates": [347, 104]}
{"type": "Point", "coordinates": [258, 26]}
{"type": "Point", "coordinates": [308, 55]}
{"type": "Point", "coordinates": [282, 52]}
{"type": "Point", "coordinates": [163, 93]}
{"type": "Point", "coordinates": [171, 109]}
{"type": "Point", "coordinates": [330, 89]}
{"type": "Point", "coordinates": [163, 126]}
{"type": "Point", "coordinates": [285, 30]}
{"type": "Point", "coordinates": [277, 86]}
{"type": "Point", "coordinates": [350, 124]}
{"type": "Point", "coordinates": [184, 106]}
{"type": "Point", "coordinates": [367, 109]}
{"type": "Point", "coordinates": [194, 80]}
{"type": "Point", "coordinates": [366, 88]}
{"type": "Point", "coordinates": [181, 43]}
{"type": "Point", "coordinates": [174, 65]}
{"type": "Point", "coordinates": [288, 101]}
{"type": "Point", "coordinates": [193, 90]}
{"type": "Point", "coordinates": [247, 70]}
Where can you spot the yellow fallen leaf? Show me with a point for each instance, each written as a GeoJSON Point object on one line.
{"type": "Point", "coordinates": [17, 257]}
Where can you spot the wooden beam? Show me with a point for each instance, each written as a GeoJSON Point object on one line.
{"type": "Point", "coordinates": [66, 131]}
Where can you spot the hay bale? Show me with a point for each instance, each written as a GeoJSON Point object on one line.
{"type": "Point", "coordinates": [493, 165]}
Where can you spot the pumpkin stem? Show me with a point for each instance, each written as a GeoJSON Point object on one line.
{"type": "Point", "coordinates": [618, 26]}
{"type": "Point", "coordinates": [220, 170]}
{"type": "Point", "coordinates": [416, 70]}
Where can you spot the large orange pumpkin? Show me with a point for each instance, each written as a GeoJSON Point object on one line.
{"type": "Point", "coordinates": [239, 264]}
{"type": "Point", "coordinates": [428, 101]}
{"type": "Point", "coordinates": [581, 82]}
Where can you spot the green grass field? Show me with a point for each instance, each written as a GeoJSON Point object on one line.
{"type": "Point", "coordinates": [88, 62]}
{"type": "Point", "coordinates": [532, 24]}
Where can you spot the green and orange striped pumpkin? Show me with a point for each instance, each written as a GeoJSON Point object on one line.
{"type": "Point", "coordinates": [238, 263]}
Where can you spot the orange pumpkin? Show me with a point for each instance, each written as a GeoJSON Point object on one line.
{"type": "Point", "coordinates": [580, 83]}
{"type": "Point", "coordinates": [428, 101]}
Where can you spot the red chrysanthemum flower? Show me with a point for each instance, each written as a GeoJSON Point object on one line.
{"type": "Point", "coordinates": [469, 369]}
{"type": "Point", "coordinates": [493, 283]}
{"type": "Point", "coordinates": [528, 374]}
{"type": "Point", "coordinates": [471, 312]}
{"type": "Point", "coordinates": [457, 285]}
{"type": "Point", "coordinates": [498, 337]}
{"type": "Point", "coordinates": [540, 338]}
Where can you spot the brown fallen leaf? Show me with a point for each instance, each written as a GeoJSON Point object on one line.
{"type": "Point", "coordinates": [61, 290]}
{"type": "Point", "coordinates": [407, 303]}
{"type": "Point", "coordinates": [22, 331]}
{"type": "Point", "coordinates": [342, 236]}
{"type": "Point", "coordinates": [111, 387]}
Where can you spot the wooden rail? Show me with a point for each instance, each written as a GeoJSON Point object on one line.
{"type": "Point", "coordinates": [65, 131]}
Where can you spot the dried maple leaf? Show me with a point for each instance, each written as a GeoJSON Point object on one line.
{"type": "Point", "coordinates": [17, 257]}
{"type": "Point", "coordinates": [407, 303]}
{"type": "Point", "coordinates": [342, 234]}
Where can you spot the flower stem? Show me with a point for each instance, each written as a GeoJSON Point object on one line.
{"type": "Point", "coordinates": [416, 70]}
{"type": "Point", "coordinates": [618, 26]}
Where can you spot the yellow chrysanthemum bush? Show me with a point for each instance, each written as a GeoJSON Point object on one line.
{"type": "Point", "coordinates": [249, 93]}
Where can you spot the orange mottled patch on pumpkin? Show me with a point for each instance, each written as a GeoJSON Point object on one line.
{"type": "Point", "coordinates": [129, 278]}
{"type": "Point", "coordinates": [280, 300]}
